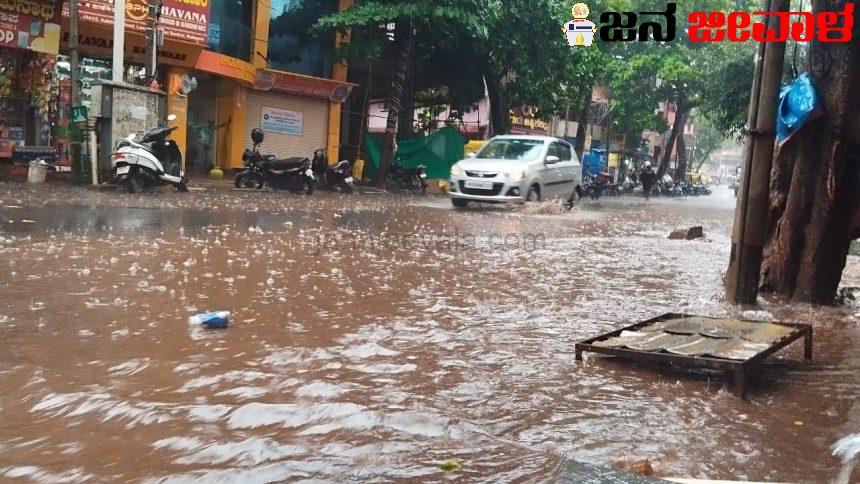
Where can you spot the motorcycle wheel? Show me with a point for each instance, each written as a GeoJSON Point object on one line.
{"type": "Point", "coordinates": [345, 187]}
{"type": "Point", "coordinates": [182, 187]}
{"type": "Point", "coordinates": [134, 183]}
{"type": "Point", "coordinates": [249, 181]}
{"type": "Point", "coordinates": [309, 187]}
{"type": "Point", "coordinates": [574, 198]}
{"type": "Point", "coordinates": [418, 186]}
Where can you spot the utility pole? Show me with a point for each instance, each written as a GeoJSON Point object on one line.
{"type": "Point", "coordinates": [74, 59]}
{"type": "Point", "coordinates": [152, 37]}
{"type": "Point", "coordinates": [743, 274]}
{"type": "Point", "coordinates": [118, 40]}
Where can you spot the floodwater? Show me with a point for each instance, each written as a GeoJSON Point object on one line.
{"type": "Point", "coordinates": [374, 337]}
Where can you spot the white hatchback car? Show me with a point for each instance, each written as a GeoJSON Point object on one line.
{"type": "Point", "coordinates": [517, 169]}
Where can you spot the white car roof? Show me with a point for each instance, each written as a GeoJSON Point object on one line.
{"type": "Point", "coordinates": [527, 136]}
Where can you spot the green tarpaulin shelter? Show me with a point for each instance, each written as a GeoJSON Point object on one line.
{"type": "Point", "coordinates": [437, 152]}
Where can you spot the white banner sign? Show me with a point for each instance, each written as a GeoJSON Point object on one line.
{"type": "Point", "coordinates": [284, 121]}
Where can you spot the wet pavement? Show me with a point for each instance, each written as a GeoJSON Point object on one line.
{"type": "Point", "coordinates": [374, 337]}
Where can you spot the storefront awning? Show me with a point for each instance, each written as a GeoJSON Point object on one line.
{"type": "Point", "coordinates": [226, 66]}
{"type": "Point", "coordinates": [290, 83]}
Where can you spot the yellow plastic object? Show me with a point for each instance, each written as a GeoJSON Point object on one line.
{"type": "Point", "coordinates": [473, 146]}
{"type": "Point", "coordinates": [358, 169]}
{"type": "Point", "coordinates": [216, 174]}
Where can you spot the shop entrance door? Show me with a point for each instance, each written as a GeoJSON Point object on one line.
{"type": "Point", "coordinates": [203, 129]}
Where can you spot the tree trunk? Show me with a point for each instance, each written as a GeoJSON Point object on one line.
{"type": "Point", "coordinates": [406, 122]}
{"type": "Point", "coordinates": [584, 113]}
{"type": "Point", "coordinates": [815, 184]}
{"type": "Point", "coordinates": [703, 160]}
{"type": "Point", "coordinates": [402, 36]}
{"type": "Point", "coordinates": [680, 114]}
{"type": "Point", "coordinates": [681, 148]}
{"type": "Point", "coordinates": [631, 144]}
{"type": "Point", "coordinates": [500, 120]}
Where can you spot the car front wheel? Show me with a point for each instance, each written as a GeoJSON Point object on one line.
{"type": "Point", "coordinates": [574, 197]}
{"type": "Point", "coordinates": [534, 194]}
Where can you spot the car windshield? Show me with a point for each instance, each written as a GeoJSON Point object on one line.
{"type": "Point", "coordinates": [511, 149]}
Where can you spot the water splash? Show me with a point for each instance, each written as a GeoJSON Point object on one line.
{"type": "Point", "coordinates": [847, 449]}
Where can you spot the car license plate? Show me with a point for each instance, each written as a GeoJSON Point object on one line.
{"type": "Point", "coordinates": [478, 185]}
{"type": "Point", "coordinates": [348, 179]}
{"type": "Point", "coordinates": [122, 170]}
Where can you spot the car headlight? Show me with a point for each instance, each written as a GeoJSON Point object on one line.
{"type": "Point", "coordinates": [515, 175]}
{"type": "Point", "coordinates": [455, 170]}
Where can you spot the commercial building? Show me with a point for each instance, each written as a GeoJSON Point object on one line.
{"type": "Point", "coordinates": [228, 66]}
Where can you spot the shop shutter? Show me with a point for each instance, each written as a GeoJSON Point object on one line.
{"type": "Point", "coordinates": [314, 123]}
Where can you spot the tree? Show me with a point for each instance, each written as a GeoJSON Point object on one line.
{"type": "Point", "coordinates": [635, 95]}
{"type": "Point", "coordinates": [726, 95]}
{"type": "Point", "coordinates": [403, 14]}
{"type": "Point", "coordinates": [815, 183]}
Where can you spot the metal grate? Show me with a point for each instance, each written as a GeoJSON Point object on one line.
{"type": "Point", "coordinates": [481, 174]}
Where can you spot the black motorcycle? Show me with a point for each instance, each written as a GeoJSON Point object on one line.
{"type": "Point", "coordinates": [293, 174]}
{"type": "Point", "coordinates": [337, 177]}
{"type": "Point", "coordinates": [600, 186]}
{"type": "Point", "coordinates": [412, 179]}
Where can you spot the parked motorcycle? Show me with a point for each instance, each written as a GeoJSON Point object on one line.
{"type": "Point", "coordinates": [337, 177]}
{"type": "Point", "coordinates": [701, 189]}
{"type": "Point", "coordinates": [628, 185]}
{"type": "Point", "coordinates": [156, 160]}
{"type": "Point", "coordinates": [412, 179]}
{"type": "Point", "coordinates": [600, 185]}
{"type": "Point", "coordinates": [291, 173]}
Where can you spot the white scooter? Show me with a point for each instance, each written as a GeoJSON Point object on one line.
{"type": "Point", "coordinates": [156, 160]}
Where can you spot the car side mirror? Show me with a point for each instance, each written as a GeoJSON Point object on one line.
{"type": "Point", "coordinates": [471, 155]}
{"type": "Point", "coordinates": [551, 160]}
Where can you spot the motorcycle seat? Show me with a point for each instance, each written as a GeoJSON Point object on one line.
{"type": "Point", "coordinates": [284, 164]}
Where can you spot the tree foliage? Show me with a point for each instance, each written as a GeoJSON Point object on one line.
{"type": "Point", "coordinates": [518, 49]}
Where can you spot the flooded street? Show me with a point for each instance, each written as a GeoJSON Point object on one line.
{"type": "Point", "coordinates": [374, 337]}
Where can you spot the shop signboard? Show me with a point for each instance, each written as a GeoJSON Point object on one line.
{"type": "Point", "coordinates": [290, 83]}
{"type": "Point", "coordinates": [523, 121]}
{"type": "Point", "coordinates": [227, 66]}
{"type": "Point", "coordinates": [184, 20]}
{"type": "Point", "coordinates": [281, 121]}
{"type": "Point", "coordinates": [31, 24]}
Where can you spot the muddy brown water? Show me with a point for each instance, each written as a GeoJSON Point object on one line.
{"type": "Point", "coordinates": [374, 337]}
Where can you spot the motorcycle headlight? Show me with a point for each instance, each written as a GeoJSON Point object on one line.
{"type": "Point", "coordinates": [515, 175]}
{"type": "Point", "coordinates": [455, 170]}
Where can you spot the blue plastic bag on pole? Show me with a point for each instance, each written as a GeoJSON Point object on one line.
{"type": "Point", "coordinates": [799, 104]}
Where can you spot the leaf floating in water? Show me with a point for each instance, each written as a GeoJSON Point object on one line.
{"type": "Point", "coordinates": [449, 466]}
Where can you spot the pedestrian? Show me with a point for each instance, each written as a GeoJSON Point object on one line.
{"type": "Point", "coordinates": [205, 133]}
{"type": "Point", "coordinates": [647, 177]}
